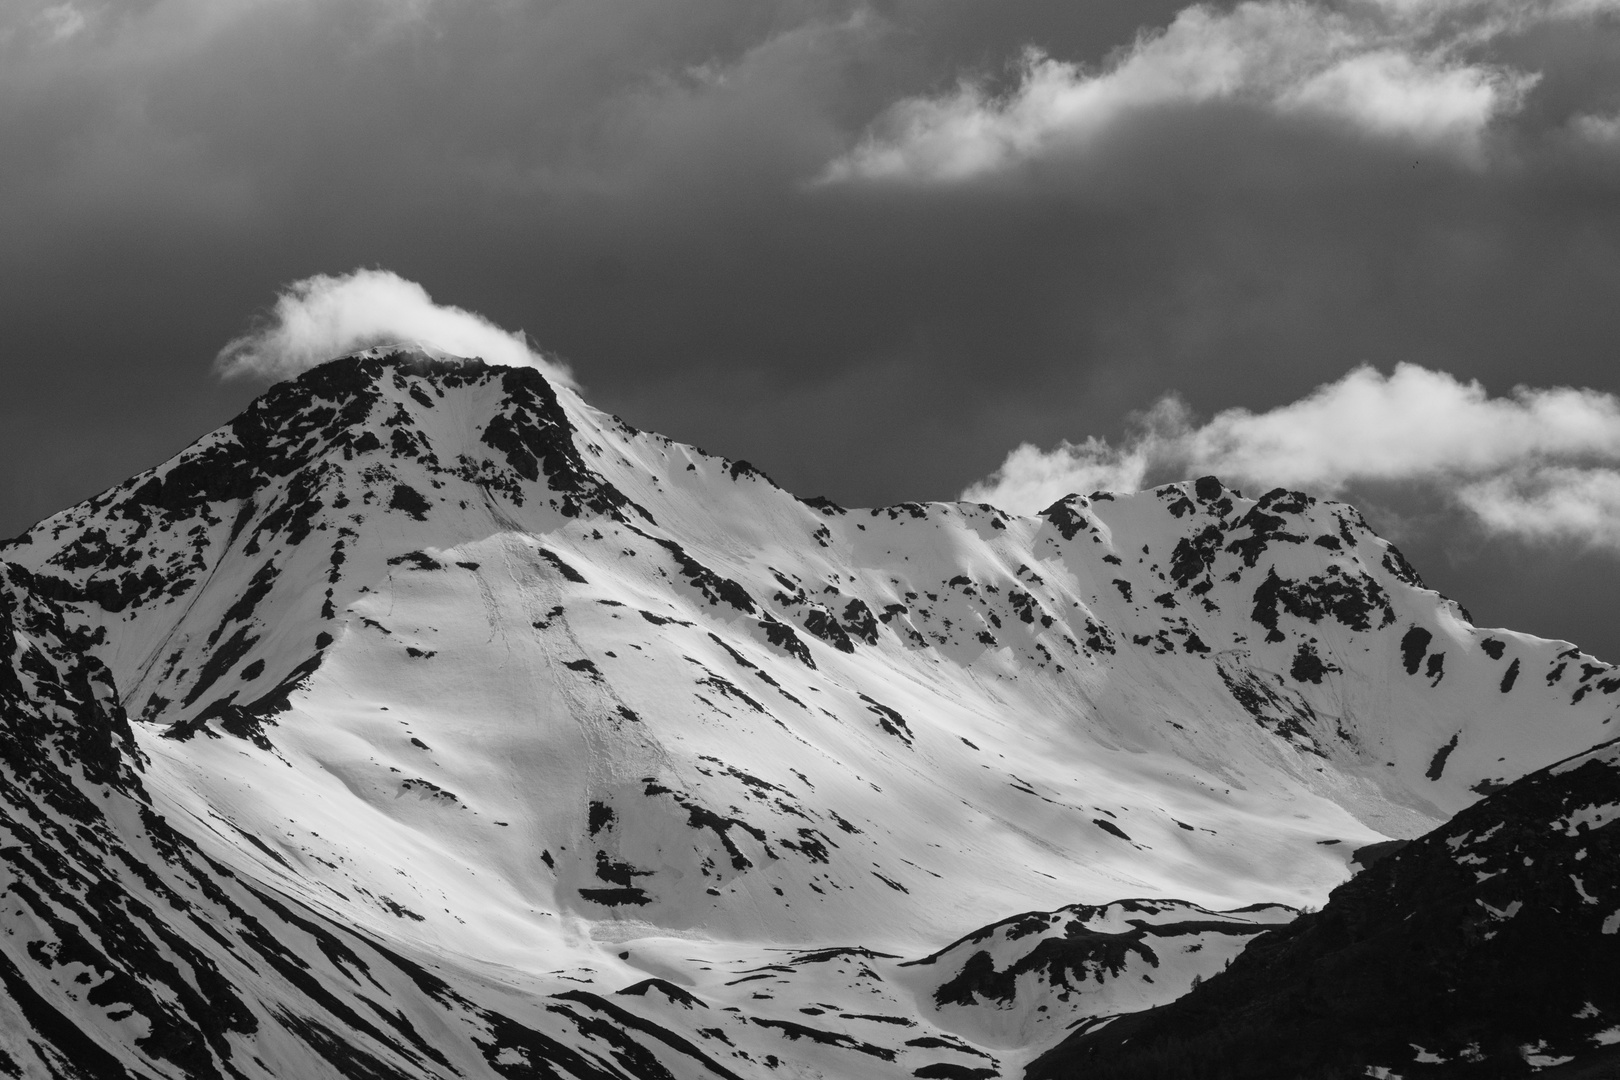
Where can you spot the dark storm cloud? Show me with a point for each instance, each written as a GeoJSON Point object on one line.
{"type": "Point", "coordinates": [636, 185]}
{"type": "Point", "coordinates": [626, 179]}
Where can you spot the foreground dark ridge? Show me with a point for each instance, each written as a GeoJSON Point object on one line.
{"type": "Point", "coordinates": [1486, 948]}
{"type": "Point", "coordinates": [657, 769]}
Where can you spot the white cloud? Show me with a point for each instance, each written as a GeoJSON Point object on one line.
{"type": "Point", "coordinates": [1602, 130]}
{"type": "Point", "coordinates": [1390, 70]}
{"type": "Point", "coordinates": [1555, 503]}
{"type": "Point", "coordinates": [1538, 463]}
{"type": "Point", "coordinates": [1393, 93]}
{"type": "Point", "coordinates": [60, 22]}
{"type": "Point", "coordinates": [1412, 424]}
{"type": "Point", "coordinates": [321, 317]}
{"type": "Point", "coordinates": [1031, 478]}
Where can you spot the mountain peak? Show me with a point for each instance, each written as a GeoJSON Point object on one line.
{"type": "Point", "coordinates": [437, 637]}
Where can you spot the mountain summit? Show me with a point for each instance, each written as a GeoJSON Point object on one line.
{"type": "Point", "coordinates": [616, 759]}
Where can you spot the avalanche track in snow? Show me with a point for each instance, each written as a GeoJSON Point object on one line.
{"type": "Point", "coordinates": [426, 721]}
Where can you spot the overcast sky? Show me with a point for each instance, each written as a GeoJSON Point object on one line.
{"type": "Point", "coordinates": [873, 247]}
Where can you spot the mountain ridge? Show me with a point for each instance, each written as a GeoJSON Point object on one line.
{"type": "Point", "coordinates": [446, 654]}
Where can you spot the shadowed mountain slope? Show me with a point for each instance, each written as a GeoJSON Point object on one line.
{"type": "Point", "coordinates": [1486, 948]}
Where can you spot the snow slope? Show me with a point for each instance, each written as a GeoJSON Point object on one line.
{"type": "Point", "coordinates": [488, 678]}
{"type": "Point", "coordinates": [128, 952]}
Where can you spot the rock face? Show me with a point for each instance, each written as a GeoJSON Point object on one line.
{"type": "Point", "coordinates": [618, 744]}
{"type": "Point", "coordinates": [1486, 948]}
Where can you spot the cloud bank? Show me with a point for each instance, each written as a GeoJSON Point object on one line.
{"type": "Point", "coordinates": [1539, 464]}
{"type": "Point", "coordinates": [321, 317]}
{"type": "Point", "coordinates": [1392, 70]}
{"type": "Point", "coordinates": [1256, 206]}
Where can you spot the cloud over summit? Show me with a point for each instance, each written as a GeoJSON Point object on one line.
{"type": "Point", "coordinates": [1539, 464]}
{"type": "Point", "coordinates": [320, 317]}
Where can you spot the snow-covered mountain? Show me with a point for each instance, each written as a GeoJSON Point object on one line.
{"type": "Point", "coordinates": [616, 743]}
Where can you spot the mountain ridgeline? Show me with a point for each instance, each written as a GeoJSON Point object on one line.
{"type": "Point", "coordinates": [425, 721]}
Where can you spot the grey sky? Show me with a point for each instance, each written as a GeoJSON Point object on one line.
{"type": "Point", "coordinates": [633, 183]}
